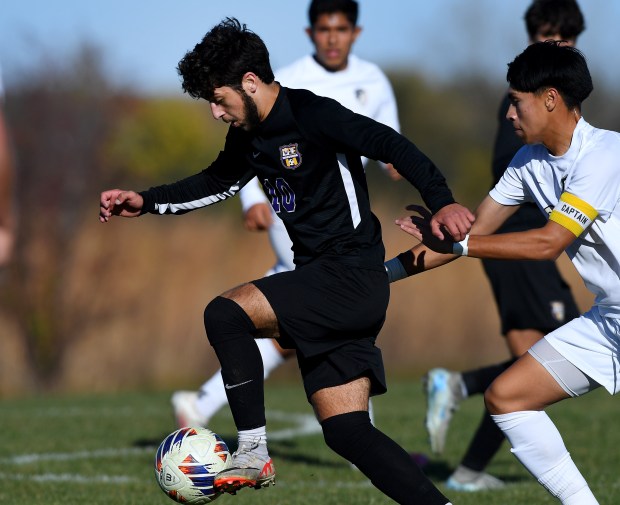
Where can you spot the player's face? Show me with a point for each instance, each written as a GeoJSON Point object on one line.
{"type": "Point", "coordinates": [546, 33]}
{"type": "Point", "coordinates": [528, 115]}
{"type": "Point", "coordinates": [333, 36]}
{"type": "Point", "coordinates": [234, 107]}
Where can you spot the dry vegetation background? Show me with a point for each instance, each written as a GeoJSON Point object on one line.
{"type": "Point", "coordinates": [143, 311]}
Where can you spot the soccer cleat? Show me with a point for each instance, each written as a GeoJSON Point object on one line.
{"type": "Point", "coordinates": [185, 412]}
{"type": "Point", "coordinates": [248, 468]}
{"type": "Point", "coordinates": [464, 479]}
{"type": "Point", "coordinates": [443, 395]}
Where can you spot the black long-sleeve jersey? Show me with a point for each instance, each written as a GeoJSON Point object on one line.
{"type": "Point", "coordinates": [306, 153]}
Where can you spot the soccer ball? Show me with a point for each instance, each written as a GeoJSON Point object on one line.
{"type": "Point", "coordinates": [187, 462]}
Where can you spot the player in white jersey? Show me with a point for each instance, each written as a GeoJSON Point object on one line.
{"type": "Point", "coordinates": [334, 72]}
{"type": "Point", "coordinates": [571, 171]}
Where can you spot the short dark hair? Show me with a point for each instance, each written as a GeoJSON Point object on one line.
{"type": "Point", "coordinates": [552, 64]}
{"type": "Point", "coordinates": [348, 7]}
{"type": "Point", "coordinates": [561, 17]}
{"type": "Point", "coordinates": [224, 55]}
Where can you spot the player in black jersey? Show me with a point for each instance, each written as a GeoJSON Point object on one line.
{"type": "Point", "coordinates": [306, 152]}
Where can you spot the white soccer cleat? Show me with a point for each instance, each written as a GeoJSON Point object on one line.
{"type": "Point", "coordinates": [443, 395]}
{"type": "Point", "coordinates": [248, 468]}
{"type": "Point", "coordinates": [185, 411]}
{"type": "Point", "coordinates": [464, 479]}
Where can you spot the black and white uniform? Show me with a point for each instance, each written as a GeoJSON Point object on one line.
{"type": "Point", "coordinates": [306, 154]}
{"type": "Point", "coordinates": [529, 294]}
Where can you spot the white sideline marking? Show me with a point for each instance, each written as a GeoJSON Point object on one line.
{"type": "Point", "coordinates": [77, 412]}
{"type": "Point", "coordinates": [69, 477]}
{"type": "Point", "coordinates": [303, 424]}
{"type": "Point", "coordinates": [26, 459]}
{"type": "Point", "coordinates": [306, 425]}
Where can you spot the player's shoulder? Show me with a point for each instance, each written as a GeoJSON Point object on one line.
{"type": "Point", "coordinates": [599, 148]}
{"type": "Point", "coordinates": [598, 138]}
{"type": "Point", "coordinates": [358, 65]}
{"type": "Point", "coordinates": [295, 72]}
{"type": "Point", "coordinates": [312, 109]}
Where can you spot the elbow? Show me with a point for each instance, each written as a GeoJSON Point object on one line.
{"type": "Point", "coordinates": [548, 252]}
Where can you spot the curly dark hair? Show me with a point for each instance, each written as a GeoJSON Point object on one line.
{"type": "Point", "coordinates": [551, 64]}
{"type": "Point", "coordinates": [224, 55]}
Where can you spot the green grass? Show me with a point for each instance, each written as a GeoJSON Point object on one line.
{"type": "Point", "coordinates": [99, 450]}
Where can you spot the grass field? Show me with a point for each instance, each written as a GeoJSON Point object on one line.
{"type": "Point", "coordinates": [99, 449]}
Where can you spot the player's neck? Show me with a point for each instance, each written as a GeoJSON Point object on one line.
{"type": "Point", "coordinates": [331, 69]}
{"type": "Point", "coordinates": [560, 136]}
{"type": "Point", "coordinates": [266, 101]}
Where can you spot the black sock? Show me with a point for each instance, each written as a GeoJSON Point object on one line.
{"type": "Point", "coordinates": [229, 330]}
{"type": "Point", "coordinates": [383, 461]}
{"type": "Point", "coordinates": [477, 381]}
{"type": "Point", "coordinates": [484, 445]}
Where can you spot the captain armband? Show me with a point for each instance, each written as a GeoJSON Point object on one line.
{"type": "Point", "coordinates": [573, 213]}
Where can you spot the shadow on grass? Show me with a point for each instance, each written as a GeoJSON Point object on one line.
{"type": "Point", "coordinates": [286, 450]}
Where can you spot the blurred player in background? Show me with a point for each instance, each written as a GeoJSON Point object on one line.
{"type": "Point", "coordinates": [571, 170]}
{"type": "Point", "coordinates": [532, 297]}
{"type": "Point", "coordinates": [7, 216]}
{"type": "Point", "coordinates": [334, 72]}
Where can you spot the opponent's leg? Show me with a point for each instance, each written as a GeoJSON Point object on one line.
{"type": "Point", "coordinates": [516, 400]}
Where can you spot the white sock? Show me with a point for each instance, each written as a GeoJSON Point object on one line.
{"type": "Point", "coordinates": [538, 445]}
{"type": "Point", "coordinates": [371, 412]}
{"type": "Point", "coordinates": [212, 395]}
{"type": "Point", "coordinates": [272, 358]}
{"type": "Point", "coordinates": [250, 437]}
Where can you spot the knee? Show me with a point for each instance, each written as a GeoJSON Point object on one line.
{"type": "Point", "coordinates": [344, 433]}
{"type": "Point", "coordinates": [225, 319]}
{"type": "Point", "coordinates": [496, 399]}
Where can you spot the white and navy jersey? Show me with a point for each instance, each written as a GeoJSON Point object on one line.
{"type": "Point", "coordinates": [579, 190]}
{"type": "Point", "coordinates": [361, 86]}
{"type": "Point", "coordinates": [306, 154]}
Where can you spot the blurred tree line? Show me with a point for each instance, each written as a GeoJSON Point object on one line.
{"type": "Point", "coordinates": [74, 134]}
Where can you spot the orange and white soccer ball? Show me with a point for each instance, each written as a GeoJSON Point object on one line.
{"type": "Point", "coordinates": [187, 462]}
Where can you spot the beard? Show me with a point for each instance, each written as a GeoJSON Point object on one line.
{"type": "Point", "coordinates": [252, 119]}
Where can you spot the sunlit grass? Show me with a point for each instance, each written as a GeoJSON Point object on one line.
{"type": "Point", "coordinates": [99, 450]}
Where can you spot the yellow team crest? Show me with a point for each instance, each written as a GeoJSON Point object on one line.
{"type": "Point", "coordinates": [290, 156]}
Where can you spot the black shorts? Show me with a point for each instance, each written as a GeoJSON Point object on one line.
{"type": "Point", "coordinates": [331, 312]}
{"type": "Point", "coordinates": [530, 295]}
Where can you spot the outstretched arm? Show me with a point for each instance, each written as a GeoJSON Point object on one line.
{"type": "Point", "coordinates": [433, 251]}
{"type": "Point", "coordinates": [118, 202]}
{"type": "Point", "coordinates": [546, 243]}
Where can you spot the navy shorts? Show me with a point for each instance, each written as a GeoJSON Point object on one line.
{"type": "Point", "coordinates": [530, 295]}
{"type": "Point", "coordinates": [331, 313]}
